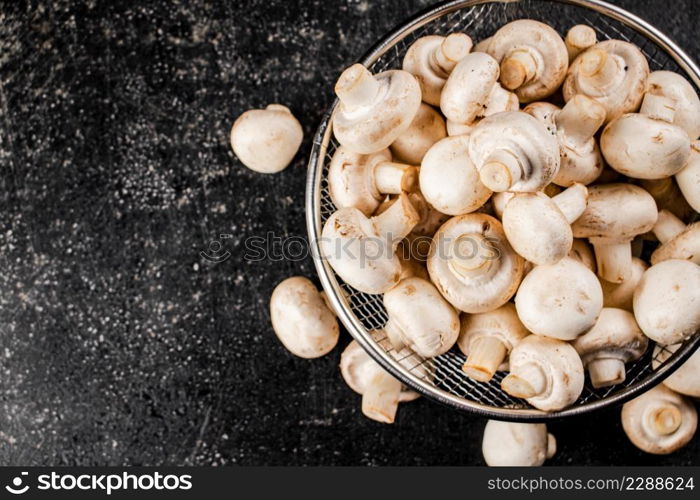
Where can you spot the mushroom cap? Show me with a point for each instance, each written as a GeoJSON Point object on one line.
{"type": "Point", "coordinates": [545, 112]}
{"type": "Point", "coordinates": [266, 140]}
{"type": "Point", "coordinates": [502, 323]}
{"type": "Point", "coordinates": [615, 335]}
{"type": "Point", "coordinates": [620, 295]}
{"type": "Point", "coordinates": [622, 91]}
{"type": "Point", "coordinates": [659, 421]}
{"type": "Point", "coordinates": [497, 278]}
{"type": "Point", "coordinates": [358, 369]}
{"type": "Point", "coordinates": [358, 253]}
{"type": "Point", "coordinates": [560, 301]}
{"type": "Point", "coordinates": [642, 147]}
{"type": "Point", "coordinates": [684, 246]}
{"type": "Point", "coordinates": [468, 87]}
{"type": "Point", "coordinates": [525, 138]}
{"type": "Point", "coordinates": [616, 211]}
{"type": "Point", "coordinates": [430, 219]}
{"type": "Point", "coordinates": [375, 124]}
{"type": "Point", "coordinates": [426, 129]}
{"type": "Point", "coordinates": [448, 179]}
{"type": "Point", "coordinates": [351, 179]}
{"type": "Point", "coordinates": [301, 319]}
{"type": "Point", "coordinates": [667, 301]}
{"type": "Point", "coordinates": [421, 317]}
{"type": "Point", "coordinates": [516, 444]}
{"type": "Point", "coordinates": [686, 378]}
{"type": "Point", "coordinates": [582, 252]}
{"type": "Point", "coordinates": [673, 85]}
{"type": "Point", "coordinates": [688, 179]}
{"type": "Point", "coordinates": [560, 366]}
{"type": "Point", "coordinates": [544, 45]}
{"type": "Point", "coordinates": [536, 228]}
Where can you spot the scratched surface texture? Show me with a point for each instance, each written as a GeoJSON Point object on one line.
{"type": "Point", "coordinates": [120, 344]}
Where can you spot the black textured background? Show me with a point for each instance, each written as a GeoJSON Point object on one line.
{"type": "Point", "coordinates": [119, 343]}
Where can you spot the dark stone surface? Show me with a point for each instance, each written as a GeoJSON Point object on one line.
{"type": "Point", "coordinates": [120, 344]}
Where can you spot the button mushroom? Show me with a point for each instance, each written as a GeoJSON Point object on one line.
{"type": "Point", "coordinates": [426, 129]}
{"type": "Point", "coordinates": [487, 339]}
{"type": "Point", "coordinates": [361, 181]}
{"type": "Point", "coordinates": [620, 295]}
{"type": "Point", "coordinates": [301, 319]}
{"type": "Point", "coordinates": [374, 109]}
{"type": "Point", "coordinates": [560, 301]}
{"type": "Point", "coordinates": [646, 145]}
{"type": "Point", "coordinates": [432, 58]}
{"type": "Point", "coordinates": [513, 151]}
{"type": "Point", "coordinates": [533, 58]}
{"type": "Point", "coordinates": [668, 195]}
{"type": "Point", "coordinates": [266, 140]}
{"type": "Point", "coordinates": [678, 241]}
{"type": "Point", "coordinates": [667, 301]}
{"type": "Point", "coordinates": [472, 264]}
{"type": "Point", "coordinates": [448, 179]}
{"type": "Point", "coordinates": [539, 227]}
{"type": "Point", "coordinates": [688, 178]}
{"type": "Point", "coordinates": [659, 421]}
{"type": "Point", "coordinates": [514, 444]}
{"type": "Point", "coordinates": [686, 378]}
{"type": "Point", "coordinates": [612, 72]}
{"type": "Point", "coordinates": [582, 252]}
{"type": "Point", "coordinates": [613, 341]}
{"type": "Point", "coordinates": [578, 39]}
{"type": "Point", "coordinates": [687, 103]}
{"type": "Point", "coordinates": [472, 91]}
{"type": "Point", "coordinates": [546, 372]}
{"type": "Point", "coordinates": [362, 250]}
{"type": "Point", "coordinates": [615, 214]}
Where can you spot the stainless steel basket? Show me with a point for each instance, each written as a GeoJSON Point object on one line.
{"type": "Point", "coordinates": [360, 312]}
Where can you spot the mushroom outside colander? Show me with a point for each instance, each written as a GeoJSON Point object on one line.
{"type": "Point", "coordinates": [360, 312]}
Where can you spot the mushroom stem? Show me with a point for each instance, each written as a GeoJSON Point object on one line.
{"type": "Point", "coordinates": [500, 100]}
{"type": "Point", "coordinates": [393, 333]}
{"type": "Point", "coordinates": [527, 383]}
{"type": "Point", "coordinates": [381, 398]}
{"type": "Point", "coordinates": [357, 87]}
{"type": "Point", "coordinates": [580, 119]}
{"type": "Point", "coordinates": [599, 67]}
{"type": "Point", "coordinates": [605, 372]}
{"type": "Point", "coordinates": [551, 445]}
{"type": "Point", "coordinates": [393, 178]}
{"type": "Point", "coordinates": [485, 355]}
{"type": "Point", "coordinates": [501, 170]}
{"type": "Point", "coordinates": [614, 259]}
{"type": "Point", "coordinates": [658, 107]}
{"type": "Point", "coordinates": [667, 226]}
{"type": "Point", "coordinates": [397, 220]}
{"type": "Point", "coordinates": [578, 39]}
{"type": "Point", "coordinates": [665, 419]}
{"type": "Point", "coordinates": [518, 68]}
{"type": "Point", "coordinates": [572, 202]}
{"type": "Point", "coordinates": [452, 49]}
{"type": "Point", "coordinates": [468, 256]}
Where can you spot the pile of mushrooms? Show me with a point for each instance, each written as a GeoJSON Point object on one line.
{"type": "Point", "coordinates": [542, 170]}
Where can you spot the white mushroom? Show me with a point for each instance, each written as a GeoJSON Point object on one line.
{"type": "Point", "coordinates": [688, 178]}
{"type": "Point", "coordinates": [546, 372]}
{"type": "Point", "coordinates": [426, 129]}
{"type": "Point", "coordinates": [362, 250]}
{"type": "Point", "coordinates": [620, 295]}
{"type": "Point", "coordinates": [678, 241]}
{"type": "Point", "coordinates": [674, 86]}
{"type": "Point", "coordinates": [646, 145]}
{"type": "Point", "coordinates": [659, 421]}
{"type": "Point", "coordinates": [362, 181]}
{"type": "Point", "coordinates": [472, 91]}
{"type": "Point", "coordinates": [454, 128]}
{"type": "Point", "coordinates": [613, 341]}
{"type": "Point", "coordinates": [301, 318]}
{"type": "Point", "coordinates": [266, 140]}
{"type": "Point", "coordinates": [615, 214]}
{"type": "Point", "coordinates": [560, 301]}
{"type": "Point", "coordinates": [374, 109]}
{"type": "Point", "coordinates": [514, 444]}
{"type": "Point", "coordinates": [667, 301]}
{"type": "Point", "coordinates": [487, 339]}
{"type": "Point", "coordinates": [472, 264]}
{"type": "Point", "coordinates": [582, 252]}
{"type": "Point", "coordinates": [612, 72]}
{"type": "Point", "coordinates": [578, 39]}
{"type": "Point", "coordinates": [514, 151]}
{"type": "Point", "coordinates": [539, 227]}
{"type": "Point", "coordinates": [686, 379]}
{"type": "Point", "coordinates": [533, 58]}
{"type": "Point", "coordinates": [448, 179]}
{"type": "Point", "coordinates": [483, 45]}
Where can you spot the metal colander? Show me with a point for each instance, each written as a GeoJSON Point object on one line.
{"type": "Point", "coordinates": [361, 313]}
